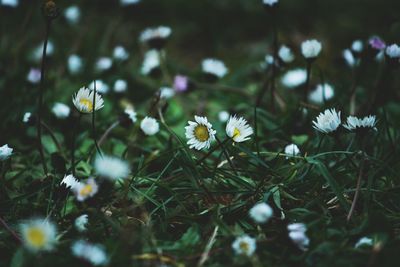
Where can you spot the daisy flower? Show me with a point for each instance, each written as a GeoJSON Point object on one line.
{"type": "Point", "coordinates": [38, 234]}
{"type": "Point", "coordinates": [81, 222]}
{"type": "Point", "coordinates": [93, 253]}
{"type": "Point", "coordinates": [10, 3]}
{"type": "Point", "coordinates": [72, 14]}
{"type": "Point", "coordinates": [214, 67]}
{"type": "Point", "coordinates": [354, 123]}
{"type": "Point", "coordinates": [5, 152]}
{"type": "Point", "coordinates": [297, 233]}
{"type": "Point", "coordinates": [69, 181]}
{"type": "Point", "coordinates": [200, 133]}
{"type": "Point", "coordinates": [27, 117]}
{"type": "Point", "coordinates": [270, 2]}
{"type": "Point", "coordinates": [155, 37]}
{"type": "Point", "coordinates": [321, 93]}
{"type": "Point", "coordinates": [261, 212]}
{"type": "Point", "coordinates": [104, 63]}
{"type": "Point", "coordinates": [292, 150]}
{"type": "Point", "coordinates": [357, 46]}
{"type": "Point", "coordinates": [129, 2]}
{"type": "Point", "coordinates": [223, 116]}
{"type": "Point", "coordinates": [111, 167]}
{"type": "Point", "coordinates": [286, 54]}
{"type": "Point", "coordinates": [152, 61]}
{"type": "Point", "coordinates": [393, 51]}
{"type": "Point", "coordinates": [244, 245]}
{"type": "Point", "coordinates": [120, 53]}
{"type": "Point", "coordinates": [34, 75]}
{"type": "Point", "coordinates": [120, 86]}
{"type": "Point", "coordinates": [83, 100]}
{"type": "Point", "coordinates": [149, 126]}
{"type": "Point", "coordinates": [327, 121]}
{"type": "Point", "coordinates": [311, 49]}
{"type": "Point", "coordinates": [166, 92]}
{"type": "Point", "coordinates": [84, 190]}
{"type": "Point", "coordinates": [131, 113]}
{"type": "Point", "coordinates": [294, 78]}
{"type": "Point", "coordinates": [61, 110]}
{"type": "Point", "coordinates": [238, 129]}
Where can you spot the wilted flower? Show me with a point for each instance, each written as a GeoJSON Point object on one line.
{"type": "Point", "coordinates": [393, 51]}
{"type": "Point", "coordinates": [238, 129]}
{"type": "Point", "coordinates": [103, 63]}
{"type": "Point", "coordinates": [166, 92]}
{"type": "Point", "coordinates": [149, 126]}
{"type": "Point", "coordinates": [81, 222]}
{"type": "Point", "coordinates": [327, 121]}
{"type": "Point", "coordinates": [244, 245]}
{"type": "Point", "coordinates": [294, 78]}
{"type": "Point", "coordinates": [120, 86]}
{"type": "Point", "coordinates": [292, 150]}
{"type": "Point", "coordinates": [181, 83]}
{"type": "Point", "coordinates": [311, 49]}
{"type": "Point", "coordinates": [120, 53]}
{"type": "Point", "coordinates": [34, 75]}
{"type": "Point", "coordinates": [286, 54]}
{"type": "Point", "coordinates": [321, 93]}
{"type": "Point", "coordinates": [364, 241]}
{"type": "Point", "coordinates": [84, 190]}
{"type": "Point", "coordinates": [152, 60]}
{"type": "Point", "coordinates": [101, 86]}
{"type": "Point", "coordinates": [297, 233]}
{"type": "Point", "coordinates": [199, 133]}
{"type": "Point", "coordinates": [354, 123]}
{"type": "Point", "coordinates": [75, 64]}
{"type": "Point", "coordinates": [223, 116]}
{"type": "Point", "coordinates": [214, 67]}
{"type": "Point", "coordinates": [61, 110]}
{"type": "Point", "coordinates": [5, 152]}
{"type": "Point", "coordinates": [69, 181]}
{"type": "Point", "coordinates": [93, 253]}
{"type": "Point", "coordinates": [38, 234]}
{"type": "Point", "coordinates": [111, 168]}
{"type": "Point", "coordinates": [83, 100]}
{"type": "Point", "coordinates": [72, 13]}
{"type": "Point", "coordinates": [261, 212]}
{"type": "Point", "coordinates": [131, 114]}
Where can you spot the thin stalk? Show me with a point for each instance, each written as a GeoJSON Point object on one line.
{"type": "Point", "coordinates": [356, 195]}
{"type": "Point", "coordinates": [94, 120]}
{"type": "Point", "coordinates": [226, 154]}
{"type": "Point", "coordinates": [212, 150]}
{"type": "Point", "coordinates": [52, 135]}
{"type": "Point", "coordinates": [75, 131]}
{"type": "Point", "coordinates": [12, 232]}
{"type": "Point", "coordinates": [107, 132]}
{"type": "Point", "coordinates": [307, 85]}
{"type": "Point", "coordinates": [275, 57]}
{"type": "Point", "coordinates": [210, 243]}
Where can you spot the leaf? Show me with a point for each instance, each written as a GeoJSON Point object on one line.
{"type": "Point", "coordinates": [18, 258]}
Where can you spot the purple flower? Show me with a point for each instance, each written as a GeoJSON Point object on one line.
{"type": "Point", "coordinates": [377, 43]}
{"type": "Point", "coordinates": [181, 83]}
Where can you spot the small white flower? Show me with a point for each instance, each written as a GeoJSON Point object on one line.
{"type": "Point", "coordinates": [73, 14]}
{"type": "Point", "coordinates": [294, 78]}
{"type": "Point", "coordinates": [321, 93]}
{"type": "Point", "coordinates": [120, 53]}
{"type": "Point", "coordinates": [93, 253]}
{"type": "Point", "coordinates": [152, 60]}
{"type": "Point", "coordinates": [120, 86]}
{"type": "Point", "coordinates": [149, 126]}
{"type": "Point", "coordinates": [354, 123]}
{"type": "Point", "coordinates": [238, 129]}
{"type": "Point", "coordinates": [111, 168]}
{"type": "Point", "coordinates": [269, 59]}
{"type": "Point", "coordinates": [349, 57]}
{"type": "Point", "coordinates": [364, 241]}
{"type": "Point", "coordinates": [69, 181]}
{"type": "Point", "coordinates": [38, 234]}
{"type": "Point", "coordinates": [101, 87]}
{"type": "Point", "coordinates": [103, 63]}
{"type": "Point", "coordinates": [223, 116]}
{"type": "Point", "coordinates": [261, 212]}
{"type": "Point", "coordinates": [5, 152]}
{"type": "Point", "coordinates": [286, 54]}
{"type": "Point", "coordinates": [270, 2]}
{"type": "Point", "coordinates": [161, 32]}
{"type": "Point", "coordinates": [61, 110]}
{"type": "Point", "coordinates": [327, 121]}
{"type": "Point", "coordinates": [214, 66]}
{"type": "Point", "coordinates": [26, 117]}
{"type": "Point", "coordinates": [199, 133]}
{"type": "Point", "coordinates": [393, 51]}
{"type": "Point", "coordinates": [292, 150]}
{"type": "Point", "coordinates": [357, 46]}
{"type": "Point", "coordinates": [75, 64]}
{"type": "Point", "coordinates": [38, 51]}
{"type": "Point", "coordinates": [10, 3]}
{"type": "Point", "coordinates": [131, 114]}
{"type": "Point", "coordinates": [34, 76]}
{"type": "Point", "coordinates": [166, 92]}
{"type": "Point", "coordinates": [84, 190]}
{"type": "Point", "coordinates": [81, 222]}
{"type": "Point", "coordinates": [244, 245]}
{"type": "Point", "coordinates": [297, 233]}
{"type": "Point", "coordinates": [311, 48]}
{"type": "Point", "coordinates": [83, 100]}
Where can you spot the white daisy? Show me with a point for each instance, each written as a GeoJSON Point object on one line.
{"type": "Point", "coordinates": [84, 190]}
{"type": "Point", "coordinates": [81, 222]}
{"type": "Point", "coordinates": [238, 129]}
{"type": "Point", "coordinates": [297, 233]}
{"type": "Point", "coordinates": [34, 75]}
{"type": "Point", "coordinates": [75, 64]}
{"type": "Point", "coordinates": [83, 100]}
{"type": "Point", "coordinates": [327, 121]}
{"type": "Point", "coordinates": [364, 241]}
{"type": "Point", "coordinates": [354, 123]}
{"type": "Point", "coordinates": [131, 114]}
{"type": "Point", "coordinates": [111, 168]}
{"type": "Point", "coordinates": [166, 92]}
{"type": "Point", "coordinates": [5, 152]}
{"type": "Point", "coordinates": [270, 2]}
{"type": "Point", "coordinates": [215, 67]}
{"type": "Point", "coordinates": [286, 54]}
{"type": "Point", "coordinates": [200, 133]}
{"type": "Point", "coordinates": [27, 117]}
{"type": "Point", "coordinates": [38, 234]}
{"type": "Point", "coordinates": [149, 126]}
{"type": "Point", "coordinates": [61, 110]}
{"type": "Point", "coordinates": [93, 253]}
{"type": "Point", "coordinates": [152, 60]}
{"type": "Point", "coordinates": [104, 63]}
{"type": "Point", "coordinates": [292, 150]}
{"type": "Point", "coordinates": [357, 46]}
{"type": "Point", "coordinates": [311, 48]}
{"type": "Point", "coordinates": [120, 53]}
{"type": "Point", "coordinates": [70, 181]}
{"type": "Point", "coordinates": [261, 212]}
{"type": "Point", "coordinates": [72, 14]}
{"type": "Point", "coordinates": [244, 245]}
{"type": "Point", "coordinates": [120, 86]}
{"type": "Point", "coordinates": [294, 78]}
{"type": "Point", "coordinates": [393, 51]}
{"type": "Point", "coordinates": [321, 93]}
{"type": "Point", "coordinates": [161, 32]}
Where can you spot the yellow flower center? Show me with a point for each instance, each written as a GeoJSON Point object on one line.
{"type": "Point", "coordinates": [86, 190]}
{"type": "Point", "coordinates": [201, 133]}
{"type": "Point", "coordinates": [87, 103]}
{"type": "Point", "coordinates": [36, 237]}
{"type": "Point", "coordinates": [236, 132]}
{"type": "Point", "coordinates": [244, 246]}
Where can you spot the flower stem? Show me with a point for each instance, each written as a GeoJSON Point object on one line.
{"type": "Point", "coordinates": [12, 232]}
{"type": "Point", "coordinates": [307, 85]}
{"type": "Point", "coordinates": [94, 120]}
{"type": "Point", "coordinates": [75, 131]}
{"type": "Point", "coordinates": [356, 195]}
